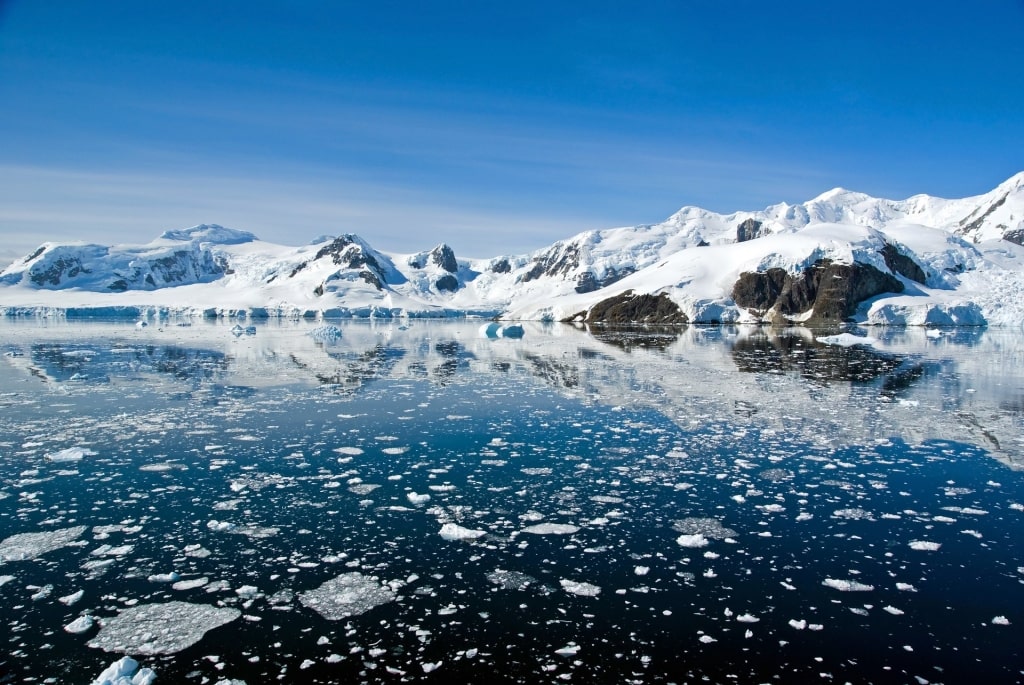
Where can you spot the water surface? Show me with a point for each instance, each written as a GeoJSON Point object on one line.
{"type": "Point", "coordinates": [412, 502]}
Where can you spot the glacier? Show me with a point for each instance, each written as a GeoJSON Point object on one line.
{"type": "Point", "coordinates": [840, 257]}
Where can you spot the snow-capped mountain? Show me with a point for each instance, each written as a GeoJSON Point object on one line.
{"type": "Point", "coordinates": [840, 256]}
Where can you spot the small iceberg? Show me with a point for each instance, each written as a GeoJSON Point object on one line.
{"type": "Point", "coordinates": [327, 333]}
{"type": "Point", "coordinates": [495, 330]}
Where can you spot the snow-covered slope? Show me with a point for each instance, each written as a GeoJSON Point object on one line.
{"type": "Point", "coordinates": [841, 255]}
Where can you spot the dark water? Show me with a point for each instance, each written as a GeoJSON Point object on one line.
{"type": "Point", "coordinates": [730, 505]}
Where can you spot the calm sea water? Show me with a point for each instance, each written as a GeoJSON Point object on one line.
{"type": "Point", "coordinates": [707, 505]}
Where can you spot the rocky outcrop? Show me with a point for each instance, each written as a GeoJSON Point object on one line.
{"type": "Point", "coordinates": [900, 263]}
{"type": "Point", "coordinates": [829, 291]}
{"type": "Point", "coordinates": [1015, 236]}
{"type": "Point", "coordinates": [57, 271]}
{"type": "Point", "coordinates": [630, 308]}
{"type": "Point", "coordinates": [749, 230]}
{"type": "Point", "coordinates": [587, 282]}
{"type": "Point", "coordinates": [560, 260]}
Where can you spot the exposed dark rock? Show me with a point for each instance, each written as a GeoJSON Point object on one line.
{"type": "Point", "coordinates": [447, 283]}
{"type": "Point", "coordinates": [560, 260]}
{"type": "Point", "coordinates": [297, 269]}
{"type": "Point", "coordinates": [35, 254]}
{"type": "Point", "coordinates": [118, 286]}
{"type": "Point", "coordinates": [902, 264]}
{"type": "Point", "coordinates": [966, 226]}
{"type": "Point", "coordinates": [629, 308]}
{"type": "Point", "coordinates": [62, 267]}
{"type": "Point", "coordinates": [749, 229]}
{"type": "Point", "coordinates": [501, 267]}
{"type": "Point", "coordinates": [586, 282]}
{"type": "Point", "coordinates": [444, 257]}
{"type": "Point", "coordinates": [1015, 235]}
{"type": "Point", "coordinates": [345, 251]}
{"type": "Point", "coordinates": [832, 290]}
{"type": "Point", "coordinates": [371, 278]}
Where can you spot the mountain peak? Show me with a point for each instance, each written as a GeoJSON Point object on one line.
{"type": "Point", "coordinates": [210, 233]}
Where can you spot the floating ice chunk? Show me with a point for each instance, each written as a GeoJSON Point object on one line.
{"type": "Point", "coordinates": [219, 526]}
{"type": "Point", "coordinates": [747, 618]}
{"type": "Point", "coordinates": [510, 580]}
{"type": "Point", "coordinates": [696, 540]}
{"type": "Point", "coordinates": [72, 598]}
{"type": "Point", "coordinates": [642, 570]}
{"type": "Point", "coordinates": [453, 531]}
{"type": "Point", "coordinates": [581, 589]}
{"type": "Point", "coordinates": [81, 624]}
{"type": "Point", "coordinates": [351, 451]}
{"type": "Point", "coordinates": [551, 529]}
{"type": "Point", "coordinates": [924, 545]}
{"type": "Point", "coordinates": [489, 330]}
{"type": "Point", "coordinates": [171, 577]}
{"type": "Point", "coordinates": [893, 610]}
{"type": "Point", "coordinates": [855, 513]}
{"type": "Point", "coordinates": [5, 579]}
{"type": "Point", "coordinates": [190, 584]}
{"type": "Point", "coordinates": [27, 546]}
{"type": "Point", "coordinates": [431, 667]}
{"type": "Point", "coordinates": [1001, 621]}
{"type": "Point", "coordinates": [707, 639]}
{"type": "Point", "coordinates": [349, 594]}
{"type": "Point", "coordinates": [416, 498]}
{"type": "Point", "coordinates": [160, 628]}
{"type": "Point", "coordinates": [122, 672]}
{"type": "Point", "coordinates": [326, 333]}
{"type": "Point", "coordinates": [847, 585]}
{"type": "Point", "coordinates": [571, 649]}
{"type": "Point", "coordinates": [846, 340]}
{"type": "Point", "coordinates": [70, 454]}
{"type": "Point", "coordinates": [798, 624]}
{"type": "Point", "coordinates": [710, 528]}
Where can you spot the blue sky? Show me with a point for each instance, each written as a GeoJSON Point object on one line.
{"type": "Point", "coordinates": [498, 128]}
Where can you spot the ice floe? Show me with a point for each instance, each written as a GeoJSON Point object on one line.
{"type": "Point", "coordinates": [349, 594]}
{"type": "Point", "coordinates": [847, 585]}
{"type": "Point", "coordinates": [28, 546]}
{"type": "Point", "coordinates": [453, 531]}
{"type": "Point", "coordinates": [924, 545]}
{"type": "Point", "coordinates": [70, 454]}
{"type": "Point", "coordinates": [163, 628]}
{"type": "Point", "coordinates": [551, 529]}
{"type": "Point", "coordinates": [581, 589]}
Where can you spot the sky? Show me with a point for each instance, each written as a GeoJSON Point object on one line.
{"type": "Point", "coordinates": [497, 128]}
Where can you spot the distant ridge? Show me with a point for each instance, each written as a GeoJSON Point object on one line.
{"type": "Point", "coordinates": [841, 256]}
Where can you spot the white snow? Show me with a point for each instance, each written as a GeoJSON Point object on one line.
{"type": "Point", "coordinates": [924, 545]}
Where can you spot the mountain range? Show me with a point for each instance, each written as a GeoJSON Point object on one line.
{"type": "Point", "coordinates": [842, 256]}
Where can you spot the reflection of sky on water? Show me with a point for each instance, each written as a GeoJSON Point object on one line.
{"type": "Point", "coordinates": [248, 472]}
